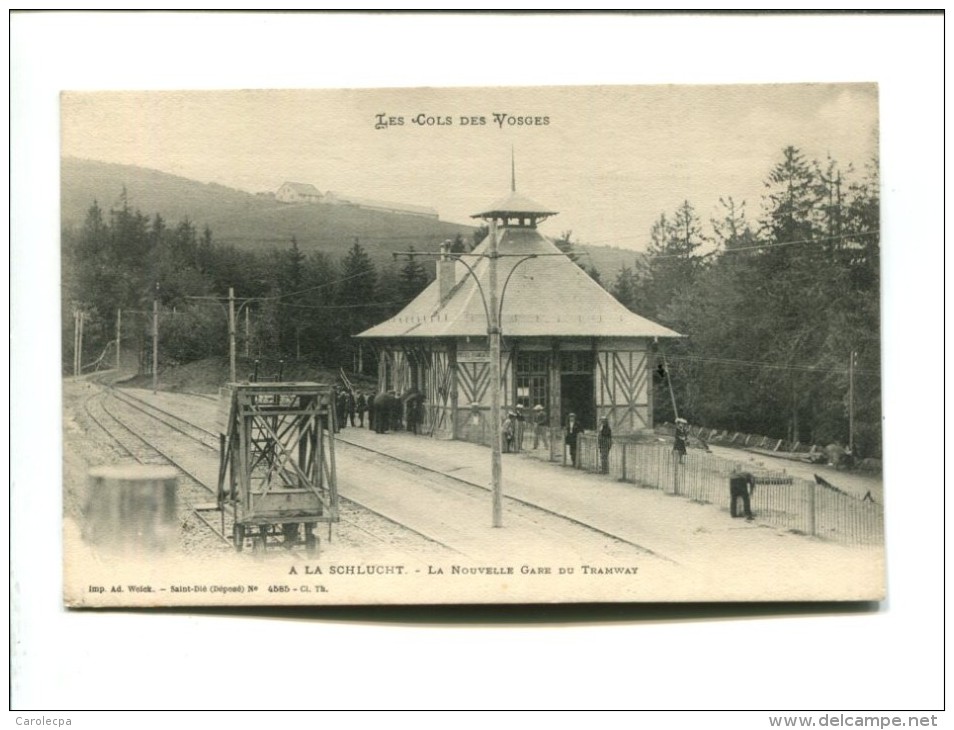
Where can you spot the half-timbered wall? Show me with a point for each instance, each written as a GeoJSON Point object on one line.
{"type": "Point", "coordinates": [455, 379]}
{"type": "Point", "coordinates": [622, 387]}
{"type": "Point", "coordinates": [439, 391]}
{"type": "Point", "coordinates": [473, 389]}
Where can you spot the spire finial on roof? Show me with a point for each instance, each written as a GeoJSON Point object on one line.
{"type": "Point", "coordinates": [513, 172]}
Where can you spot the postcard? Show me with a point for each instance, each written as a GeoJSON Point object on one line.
{"type": "Point", "coordinates": [472, 345]}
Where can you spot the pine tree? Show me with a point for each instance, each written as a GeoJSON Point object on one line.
{"type": "Point", "coordinates": [358, 298]}
{"type": "Point", "coordinates": [357, 277]}
{"type": "Point", "coordinates": [624, 288]}
{"type": "Point", "coordinates": [413, 277]}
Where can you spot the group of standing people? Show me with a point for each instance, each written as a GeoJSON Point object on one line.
{"type": "Point", "coordinates": [515, 425]}
{"type": "Point", "coordinates": [385, 411]}
{"type": "Point", "coordinates": [604, 440]}
{"type": "Point", "coordinates": [349, 406]}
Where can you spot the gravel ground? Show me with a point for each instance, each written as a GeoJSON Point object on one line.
{"type": "Point", "coordinates": [534, 531]}
{"type": "Point", "coordinates": [361, 535]}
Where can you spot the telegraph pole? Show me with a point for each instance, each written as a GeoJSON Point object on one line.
{"type": "Point", "coordinates": [493, 331]}
{"type": "Point", "coordinates": [119, 325]}
{"type": "Point", "coordinates": [851, 400]}
{"type": "Point", "coordinates": [77, 343]}
{"type": "Point", "coordinates": [155, 340]}
{"type": "Point", "coordinates": [232, 334]}
{"type": "Point", "coordinates": [246, 333]}
{"type": "Point", "coordinates": [75, 338]}
{"type": "Point", "coordinates": [79, 366]}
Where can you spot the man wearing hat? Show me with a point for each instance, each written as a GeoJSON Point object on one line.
{"type": "Point", "coordinates": [572, 430]}
{"type": "Point", "coordinates": [520, 425]}
{"type": "Point", "coordinates": [539, 426]}
{"type": "Point", "coordinates": [681, 438]}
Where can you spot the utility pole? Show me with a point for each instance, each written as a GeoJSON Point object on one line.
{"type": "Point", "coordinates": [493, 306]}
{"type": "Point", "coordinates": [75, 338]}
{"type": "Point", "coordinates": [76, 343]}
{"type": "Point", "coordinates": [119, 330]}
{"type": "Point", "coordinates": [231, 334]}
{"type": "Point", "coordinates": [79, 362]}
{"type": "Point", "coordinates": [246, 332]}
{"type": "Point", "coordinates": [493, 331]}
{"type": "Point", "coordinates": [851, 400]}
{"type": "Point", "coordinates": [155, 340]}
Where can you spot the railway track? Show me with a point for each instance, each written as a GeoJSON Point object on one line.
{"type": "Point", "coordinates": [508, 501]}
{"type": "Point", "coordinates": [444, 481]}
{"type": "Point", "coordinates": [349, 509]}
{"type": "Point", "coordinates": [135, 447]}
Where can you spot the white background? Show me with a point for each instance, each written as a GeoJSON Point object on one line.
{"type": "Point", "coordinates": [781, 658]}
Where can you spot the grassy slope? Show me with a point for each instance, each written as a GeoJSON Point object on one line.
{"type": "Point", "coordinates": [252, 221]}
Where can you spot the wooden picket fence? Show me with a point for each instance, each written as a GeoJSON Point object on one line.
{"type": "Point", "coordinates": [799, 505]}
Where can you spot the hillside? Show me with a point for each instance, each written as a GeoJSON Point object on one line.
{"type": "Point", "coordinates": [251, 221]}
{"type": "Point", "coordinates": [243, 219]}
{"type": "Point", "coordinates": [608, 260]}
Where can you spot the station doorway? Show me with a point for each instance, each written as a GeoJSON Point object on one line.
{"type": "Point", "coordinates": [576, 396]}
{"type": "Point", "coordinates": [576, 388]}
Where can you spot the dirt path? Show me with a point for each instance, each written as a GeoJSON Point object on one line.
{"type": "Point", "coordinates": [852, 482]}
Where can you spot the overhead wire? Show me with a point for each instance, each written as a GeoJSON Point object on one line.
{"type": "Point", "coordinates": [767, 365]}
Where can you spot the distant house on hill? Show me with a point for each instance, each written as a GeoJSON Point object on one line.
{"type": "Point", "coordinates": [292, 192]}
{"type": "Point", "coordinates": [333, 198]}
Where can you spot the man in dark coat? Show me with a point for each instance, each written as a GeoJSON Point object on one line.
{"type": "Point", "coordinates": [572, 430]}
{"type": "Point", "coordinates": [371, 409]}
{"type": "Point", "coordinates": [741, 486]}
{"type": "Point", "coordinates": [413, 400]}
{"type": "Point", "coordinates": [342, 411]}
{"type": "Point", "coordinates": [604, 442]}
{"type": "Point", "coordinates": [334, 408]}
{"type": "Point", "coordinates": [382, 412]}
{"type": "Point", "coordinates": [395, 409]}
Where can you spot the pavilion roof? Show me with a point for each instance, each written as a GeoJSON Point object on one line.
{"type": "Point", "coordinates": [548, 295]}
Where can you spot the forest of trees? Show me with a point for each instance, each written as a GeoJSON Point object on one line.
{"type": "Point", "coordinates": [772, 306]}
{"type": "Point", "coordinates": [303, 307]}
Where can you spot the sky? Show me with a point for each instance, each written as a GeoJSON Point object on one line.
{"type": "Point", "coordinates": [609, 158]}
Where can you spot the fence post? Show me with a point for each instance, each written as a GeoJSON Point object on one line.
{"type": "Point", "coordinates": [622, 476]}
{"type": "Point", "coordinates": [811, 507]}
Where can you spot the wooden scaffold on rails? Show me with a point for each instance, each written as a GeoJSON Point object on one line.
{"type": "Point", "coordinates": [277, 469]}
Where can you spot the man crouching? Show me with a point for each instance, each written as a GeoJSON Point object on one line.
{"type": "Point", "coordinates": [741, 486]}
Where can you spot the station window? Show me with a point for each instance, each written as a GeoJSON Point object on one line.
{"type": "Point", "coordinates": [532, 379]}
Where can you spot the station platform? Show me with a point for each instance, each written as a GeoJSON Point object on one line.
{"type": "Point", "coordinates": [702, 538]}
{"type": "Point", "coordinates": [709, 553]}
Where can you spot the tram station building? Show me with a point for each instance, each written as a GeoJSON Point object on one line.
{"type": "Point", "coordinates": [567, 345]}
